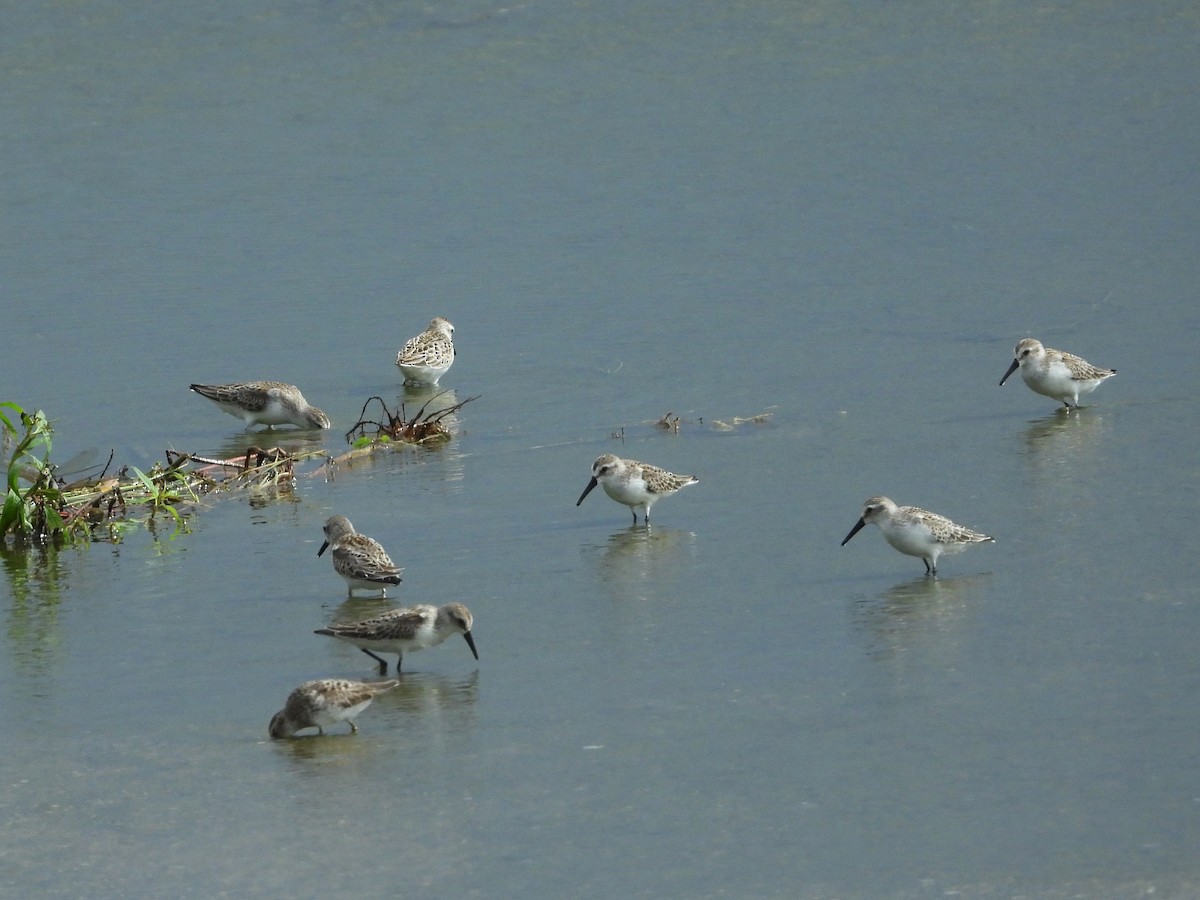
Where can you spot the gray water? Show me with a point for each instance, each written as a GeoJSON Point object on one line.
{"type": "Point", "coordinates": [841, 214]}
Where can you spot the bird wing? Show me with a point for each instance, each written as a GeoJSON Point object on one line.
{"type": "Point", "coordinates": [1082, 370]}
{"type": "Point", "coordinates": [945, 531]}
{"type": "Point", "coordinates": [428, 348]}
{"type": "Point", "coordinates": [660, 481]}
{"type": "Point", "coordinates": [399, 623]}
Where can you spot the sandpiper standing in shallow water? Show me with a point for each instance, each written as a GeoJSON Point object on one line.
{"type": "Point", "coordinates": [360, 560]}
{"type": "Point", "coordinates": [636, 484]}
{"type": "Point", "coordinates": [267, 403]}
{"type": "Point", "coordinates": [1054, 373]}
{"type": "Point", "coordinates": [916, 532]}
{"type": "Point", "coordinates": [426, 358]}
{"type": "Point", "coordinates": [405, 630]}
{"type": "Point", "coordinates": [316, 704]}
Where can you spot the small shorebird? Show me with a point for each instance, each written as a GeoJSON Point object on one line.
{"type": "Point", "coordinates": [426, 358]}
{"type": "Point", "coordinates": [325, 702]}
{"type": "Point", "coordinates": [1054, 373]}
{"type": "Point", "coordinates": [360, 560]}
{"type": "Point", "coordinates": [267, 403]}
{"type": "Point", "coordinates": [916, 532]}
{"type": "Point", "coordinates": [638, 485]}
{"type": "Point", "coordinates": [405, 630]}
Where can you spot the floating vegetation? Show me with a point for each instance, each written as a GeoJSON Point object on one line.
{"type": "Point", "coordinates": [174, 490]}
{"type": "Point", "coordinates": [39, 506]}
{"type": "Point", "coordinates": [424, 427]}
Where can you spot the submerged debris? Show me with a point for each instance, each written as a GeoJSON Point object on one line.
{"type": "Point", "coordinates": [267, 468]}
{"type": "Point", "coordinates": [671, 422]}
{"type": "Point", "coordinates": [760, 419]}
{"type": "Point", "coordinates": [422, 428]}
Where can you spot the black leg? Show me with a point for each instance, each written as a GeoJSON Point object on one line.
{"type": "Point", "coordinates": [928, 569]}
{"type": "Point", "coordinates": [382, 662]}
{"type": "Point", "coordinates": [399, 659]}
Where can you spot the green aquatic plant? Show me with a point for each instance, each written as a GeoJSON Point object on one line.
{"type": "Point", "coordinates": [164, 490]}
{"type": "Point", "coordinates": [34, 504]}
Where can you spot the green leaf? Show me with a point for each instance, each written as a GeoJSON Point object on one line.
{"type": "Point", "coordinates": [11, 512]}
{"type": "Point", "coordinates": [8, 425]}
{"type": "Point", "coordinates": [145, 480]}
{"type": "Point", "coordinates": [53, 520]}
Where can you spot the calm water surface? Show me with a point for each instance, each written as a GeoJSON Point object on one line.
{"type": "Point", "coordinates": [843, 215]}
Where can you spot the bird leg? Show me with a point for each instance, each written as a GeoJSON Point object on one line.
{"type": "Point", "coordinates": [382, 662]}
